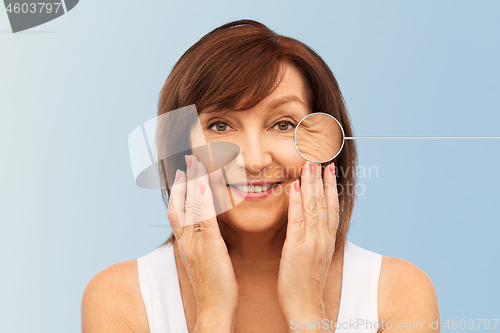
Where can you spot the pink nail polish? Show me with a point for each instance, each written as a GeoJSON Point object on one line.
{"type": "Point", "coordinates": [296, 185]}
{"type": "Point", "coordinates": [177, 175]}
{"type": "Point", "coordinates": [311, 167]}
{"type": "Point", "coordinates": [188, 161]}
{"type": "Point", "coordinates": [202, 188]}
{"type": "Point", "coordinates": [332, 169]}
{"type": "Point", "coordinates": [195, 168]}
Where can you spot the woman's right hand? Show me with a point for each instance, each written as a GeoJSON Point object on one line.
{"type": "Point", "coordinates": [203, 253]}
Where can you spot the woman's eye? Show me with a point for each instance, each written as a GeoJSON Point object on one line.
{"type": "Point", "coordinates": [219, 127]}
{"type": "Point", "coordinates": [284, 126]}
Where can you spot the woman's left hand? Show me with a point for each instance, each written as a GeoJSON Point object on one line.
{"type": "Point", "coordinates": [313, 217]}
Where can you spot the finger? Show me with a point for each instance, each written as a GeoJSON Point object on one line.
{"type": "Point", "coordinates": [196, 192]}
{"type": "Point", "coordinates": [332, 199]}
{"type": "Point", "coordinates": [295, 232]}
{"type": "Point", "coordinates": [307, 190]}
{"type": "Point", "coordinates": [175, 211]}
{"type": "Point", "coordinates": [321, 205]}
{"type": "Point", "coordinates": [190, 196]}
{"type": "Point", "coordinates": [210, 227]}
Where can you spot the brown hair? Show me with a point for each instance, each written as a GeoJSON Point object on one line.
{"type": "Point", "coordinates": [236, 66]}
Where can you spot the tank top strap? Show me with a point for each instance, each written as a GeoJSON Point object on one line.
{"type": "Point", "coordinates": [160, 291]}
{"type": "Point", "coordinates": [358, 310]}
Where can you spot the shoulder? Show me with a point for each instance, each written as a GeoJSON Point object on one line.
{"type": "Point", "coordinates": [112, 301]}
{"type": "Point", "coordinates": [406, 294]}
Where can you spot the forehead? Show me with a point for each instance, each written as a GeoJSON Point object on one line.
{"type": "Point", "coordinates": [292, 89]}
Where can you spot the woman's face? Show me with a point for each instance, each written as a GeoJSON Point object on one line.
{"type": "Point", "coordinates": [265, 137]}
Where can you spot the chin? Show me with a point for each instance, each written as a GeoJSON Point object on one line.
{"type": "Point", "coordinates": [252, 221]}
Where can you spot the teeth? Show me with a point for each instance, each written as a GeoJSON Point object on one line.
{"type": "Point", "coordinates": [253, 188]}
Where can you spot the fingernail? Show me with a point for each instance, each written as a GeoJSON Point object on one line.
{"type": "Point", "coordinates": [311, 167]}
{"type": "Point", "coordinates": [296, 185]}
{"type": "Point", "coordinates": [195, 168]}
{"type": "Point", "coordinates": [332, 169]}
{"type": "Point", "coordinates": [202, 188]}
{"type": "Point", "coordinates": [177, 175]}
{"type": "Point", "coordinates": [188, 161]}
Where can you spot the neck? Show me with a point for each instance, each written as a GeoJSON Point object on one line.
{"type": "Point", "coordinates": [254, 251]}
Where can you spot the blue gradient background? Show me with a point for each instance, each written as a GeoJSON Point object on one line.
{"type": "Point", "coordinates": [73, 89]}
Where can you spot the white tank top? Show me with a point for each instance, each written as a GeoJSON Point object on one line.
{"type": "Point", "coordinates": [358, 310]}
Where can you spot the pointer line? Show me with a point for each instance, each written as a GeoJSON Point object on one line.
{"type": "Point", "coordinates": [421, 137]}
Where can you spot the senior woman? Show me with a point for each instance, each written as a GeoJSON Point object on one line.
{"type": "Point", "coordinates": [278, 260]}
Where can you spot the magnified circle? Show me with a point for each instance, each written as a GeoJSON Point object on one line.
{"type": "Point", "coordinates": [318, 137]}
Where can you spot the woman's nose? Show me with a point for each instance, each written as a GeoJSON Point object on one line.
{"type": "Point", "coordinates": [255, 154]}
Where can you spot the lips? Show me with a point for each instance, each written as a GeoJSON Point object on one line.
{"type": "Point", "coordinates": [256, 182]}
{"type": "Point", "coordinates": [254, 188]}
{"type": "Point", "coordinates": [251, 192]}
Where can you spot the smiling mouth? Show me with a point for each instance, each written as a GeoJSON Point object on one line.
{"type": "Point", "coordinates": [254, 188]}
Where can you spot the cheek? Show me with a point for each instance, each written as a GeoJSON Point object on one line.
{"type": "Point", "coordinates": [289, 159]}
{"type": "Point", "coordinates": [220, 196]}
{"type": "Point", "coordinates": [197, 138]}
